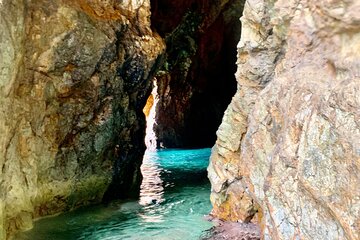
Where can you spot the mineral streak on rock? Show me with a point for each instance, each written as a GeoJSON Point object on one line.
{"type": "Point", "coordinates": [287, 154]}
{"type": "Point", "coordinates": [74, 77]}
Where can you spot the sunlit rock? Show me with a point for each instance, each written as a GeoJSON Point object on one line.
{"type": "Point", "coordinates": [74, 77]}
{"type": "Point", "coordinates": [287, 155]}
{"type": "Point", "coordinates": [150, 114]}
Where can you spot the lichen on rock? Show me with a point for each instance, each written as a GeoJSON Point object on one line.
{"type": "Point", "coordinates": [287, 154]}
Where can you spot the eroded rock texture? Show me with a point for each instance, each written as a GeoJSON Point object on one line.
{"type": "Point", "coordinates": [74, 78]}
{"type": "Point", "coordinates": [288, 150]}
{"type": "Point", "coordinates": [197, 81]}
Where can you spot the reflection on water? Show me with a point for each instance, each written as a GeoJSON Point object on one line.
{"type": "Point", "coordinates": [151, 190]}
{"type": "Point", "coordinates": [174, 198]}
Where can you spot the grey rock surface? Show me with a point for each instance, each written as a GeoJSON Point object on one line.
{"type": "Point", "coordinates": [287, 155]}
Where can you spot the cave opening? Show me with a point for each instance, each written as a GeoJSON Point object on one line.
{"type": "Point", "coordinates": [197, 80]}
{"type": "Point", "coordinates": [150, 116]}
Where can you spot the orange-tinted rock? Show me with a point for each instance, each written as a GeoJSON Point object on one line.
{"type": "Point", "coordinates": [74, 77]}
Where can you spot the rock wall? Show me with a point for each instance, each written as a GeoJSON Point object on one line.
{"type": "Point", "coordinates": [74, 77]}
{"type": "Point", "coordinates": [288, 150]}
{"type": "Point", "coordinates": [197, 81]}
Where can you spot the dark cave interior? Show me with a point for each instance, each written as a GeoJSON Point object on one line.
{"type": "Point", "coordinates": [197, 81]}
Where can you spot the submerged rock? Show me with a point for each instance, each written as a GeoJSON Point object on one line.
{"type": "Point", "coordinates": [74, 78]}
{"type": "Point", "coordinates": [287, 155]}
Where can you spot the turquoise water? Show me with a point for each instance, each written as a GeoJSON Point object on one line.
{"type": "Point", "coordinates": [173, 200]}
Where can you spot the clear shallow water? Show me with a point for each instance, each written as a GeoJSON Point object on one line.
{"type": "Point", "coordinates": [174, 198]}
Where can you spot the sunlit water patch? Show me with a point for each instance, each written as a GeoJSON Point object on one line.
{"type": "Point", "coordinates": [173, 200]}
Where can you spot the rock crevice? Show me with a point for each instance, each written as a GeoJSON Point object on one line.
{"type": "Point", "coordinates": [196, 82]}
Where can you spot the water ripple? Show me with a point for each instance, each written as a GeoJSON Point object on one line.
{"type": "Point", "coordinates": [174, 196]}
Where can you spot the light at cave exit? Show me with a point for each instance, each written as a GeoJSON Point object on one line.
{"type": "Point", "coordinates": [151, 190]}
{"type": "Point", "coordinates": [150, 113]}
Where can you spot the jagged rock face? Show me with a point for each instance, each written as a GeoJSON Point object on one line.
{"type": "Point", "coordinates": [74, 78]}
{"type": "Point", "coordinates": [197, 81]}
{"type": "Point", "coordinates": [288, 150]}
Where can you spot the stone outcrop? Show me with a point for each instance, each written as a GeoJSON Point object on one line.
{"type": "Point", "coordinates": [197, 81]}
{"type": "Point", "coordinates": [288, 150]}
{"type": "Point", "coordinates": [74, 77]}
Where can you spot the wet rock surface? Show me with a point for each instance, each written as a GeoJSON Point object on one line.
{"type": "Point", "coordinates": [231, 230]}
{"type": "Point", "coordinates": [75, 76]}
{"type": "Point", "coordinates": [287, 154]}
